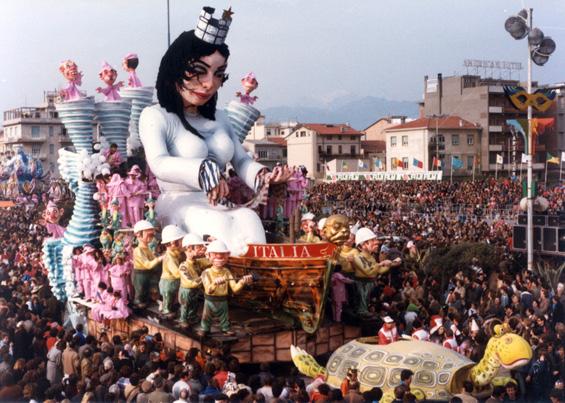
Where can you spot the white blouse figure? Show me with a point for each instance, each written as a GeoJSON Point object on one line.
{"type": "Point", "coordinates": [188, 144]}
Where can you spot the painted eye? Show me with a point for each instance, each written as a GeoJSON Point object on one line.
{"type": "Point", "coordinates": [508, 340]}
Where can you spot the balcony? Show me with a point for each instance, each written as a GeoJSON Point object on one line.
{"type": "Point", "coordinates": [495, 109]}
{"type": "Point", "coordinates": [495, 129]}
{"type": "Point", "coordinates": [495, 147]}
{"type": "Point", "coordinates": [24, 139]}
{"type": "Point", "coordinates": [495, 89]}
{"type": "Point", "coordinates": [537, 166]}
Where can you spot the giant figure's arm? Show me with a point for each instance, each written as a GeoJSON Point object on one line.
{"type": "Point", "coordinates": [153, 134]}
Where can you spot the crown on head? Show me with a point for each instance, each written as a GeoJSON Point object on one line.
{"type": "Point", "coordinates": [212, 30]}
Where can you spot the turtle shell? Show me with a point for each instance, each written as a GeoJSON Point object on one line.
{"type": "Point", "coordinates": [434, 366]}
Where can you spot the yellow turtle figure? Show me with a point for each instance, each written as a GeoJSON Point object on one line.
{"type": "Point", "coordinates": [439, 373]}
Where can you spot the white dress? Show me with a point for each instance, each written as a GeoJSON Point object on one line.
{"type": "Point", "coordinates": [176, 157]}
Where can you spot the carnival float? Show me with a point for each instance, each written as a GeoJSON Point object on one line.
{"type": "Point", "coordinates": [182, 147]}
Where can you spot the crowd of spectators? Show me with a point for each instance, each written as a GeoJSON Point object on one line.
{"type": "Point", "coordinates": [44, 357]}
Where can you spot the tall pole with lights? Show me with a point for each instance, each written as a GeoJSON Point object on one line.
{"type": "Point", "coordinates": [540, 47]}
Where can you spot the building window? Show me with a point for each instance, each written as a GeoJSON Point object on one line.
{"type": "Point", "coordinates": [51, 148]}
{"type": "Point", "coordinates": [34, 132]}
{"type": "Point", "coordinates": [393, 141]}
{"type": "Point", "coordinates": [441, 138]}
{"type": "Point", "coordinates": [284, 153]}
{"type": "Point", "coordinates": [35, 150]}
{"type": "Point", "coordinates": [320, 150]}
{"type": "Point", "coordinates": [328, 149]}
{"type": "Point", "coordinates": [352, 137]}
{"type": "Point", "coordinates": [339, 137]}
{"type": "Point", "coordinates": [470, 139]}
{"type": "Point", "coordinates": [262, 154]}
{"type": "Point", "coordinates": [317, 167]}
{"type": "Point", "coordinates": [50, 131]}
{"type": "Point", "coordinates": [268, 132]}
{"type": "Point", "coordinates": [330, 138]}
{"type": "Point", "coordinates": [454, 139]}
{"type": "Point", "coordinates": [353, 150]}
{"type": "Point", "coordinates": [404, 140]}
{"type": "Point", "coordinates": [303, 133]}
{"type": "Point", "coordinates": [63, 132]}
{"type": "Point", "coordinates": [405, 163]}
{"type": "Point", "coordinates": [470, 159]}
{"type": "Point", "coordinates": [339, 150]}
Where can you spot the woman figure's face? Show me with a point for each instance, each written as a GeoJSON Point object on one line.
{"type": "Point", "coordinates": [203, 78]}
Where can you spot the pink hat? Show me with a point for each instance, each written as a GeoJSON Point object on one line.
{"type": "Point", "coordinates": [131, 56]}
{"type": "Point", "coordinates": [51, 205]}
{"type": "Point", "coordinates": [87, 248]}
{"type": "Point", "coordinates": [106, 66]}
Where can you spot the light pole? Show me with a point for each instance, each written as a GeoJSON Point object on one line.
{"type": "Point", "coordinates": [168, 25]}
{"type": "Point", "coordinates": [539, 49]}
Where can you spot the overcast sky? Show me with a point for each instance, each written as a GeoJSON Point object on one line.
{"type": "Point", "coordinates": [302, 51]}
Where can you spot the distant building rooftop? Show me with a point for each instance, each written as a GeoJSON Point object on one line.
{"type": "Point", "coordinates": [441, 122]}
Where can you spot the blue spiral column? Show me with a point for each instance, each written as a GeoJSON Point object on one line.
{"type": "Point", "coordinates": [77, 117]}
{"type": "Point", "coordinates": [141, 97]}
{"type": "Point", "coordinates": [242, 117]}
{"type": "Point", "coordinates": [114, 119]}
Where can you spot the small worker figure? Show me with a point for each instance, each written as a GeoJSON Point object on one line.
{"type": "Point", "coordinates": [308, 226]}
{"type": "Point", "coordinates": [366, 268]}
{"type": "Point", "coordinates": [108, 75]}
{"type": "Point", "coordinates": [217, 281]}
{"type": "Point", "coordinates": [171, 237]}
{"type": "Point", "coordinates": [250, 84]}
{"type": "Point", "coordinates": [129, 64]}
{"type": "Point", "coordinates": [190, 281]}
{"type": "Point", "coordinates": [106, 239]}
{"type": "Point", "coordinates": [115, 219]}
{"type": "Point", "coordinates": [144, 261]}
{"type": "Point", "coordinates": [150, 214]}
{"type": "Point", "coordinates": [388, 333]}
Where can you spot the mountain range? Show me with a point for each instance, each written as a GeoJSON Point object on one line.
{"type": "Point", "coordinates": [358, 112]}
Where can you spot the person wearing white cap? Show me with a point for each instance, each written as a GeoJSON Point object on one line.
{"type": "Point", "coordinates": [388, 333]}
{"type": "Point", "coordinates": [190, 281]}
{"type": "Point", "coordinates": [321, 225]}
{"type": "Point", "coordinates": [307, 225]}
{"type": "Point", "coordinates": [217, 281]}
{"type": "Point", "coordinates": [366, 267]}
{"type": "Point", "coordinates": [144, 261]}
{"type": "Point", "coordinates": [171, 237]}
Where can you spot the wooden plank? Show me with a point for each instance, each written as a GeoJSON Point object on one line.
{"type": "Point", "coordinates": [322, 335]}
{"type": "Point", "coordinates": [263, 354]}
{"type": "Point", "coordinates": [263, 340]}
{"type": "Point", "coordinates": [322, 348]}
{"type": "Point", "coordinates": [283, 339]}
{"type": "Point", "coordinates": [335, 342]}
{"type": "Point", "coordinates": [243, 344]}
{"type": "Point", "coordinates": [351, 332]}
{"type": "Point", "coordinates": [336, 329]}
{"type": "Point", "coordinates": [283, 354]}
{"type": "Point", "coordinates": [244, 357]}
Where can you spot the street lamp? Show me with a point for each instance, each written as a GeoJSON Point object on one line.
{"type": "Point", "coordinates": [540, 48]}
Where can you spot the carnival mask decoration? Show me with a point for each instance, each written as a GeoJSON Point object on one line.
{"type": "Point", "coordinates": [541, 99]}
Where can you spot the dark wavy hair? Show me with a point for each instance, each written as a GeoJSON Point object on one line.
{"type": "Point", "coordinates": [185, 49]}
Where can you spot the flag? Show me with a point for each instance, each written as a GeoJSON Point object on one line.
{"type": "Point", "coordinates": [562, 156]}
{"type": "Point", "coordinates": [417, 163]}
{"type": "Point", "coordinates": [552, 160]}
{"type": "Point", "coordinates": [499, 159]}
{"type": "Point", "coordinates": [456, 163]}
{"type": "Point", "coordinates": [378, 163]}
{"type": "Point", "coordinates": [360, 163]}
{"type": "Point", "coordinates": [436, 163]}
{"type": "Point", "coordinates": [344, 165]}
{"type": "Point", "coordinates": [525, 158]}
{"type": "Point", "coordinates": [392, 163]}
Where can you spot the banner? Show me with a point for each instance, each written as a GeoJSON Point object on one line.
{"type": "Point", "coordinates": [292, 251]}
{"type": "Point", "coordinates": [386, 176]}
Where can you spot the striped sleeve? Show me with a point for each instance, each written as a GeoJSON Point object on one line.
{"type": "Point", "coordinates": [209, 175]}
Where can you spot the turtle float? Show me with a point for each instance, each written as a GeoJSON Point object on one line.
{"type": "Point", "coordinates": [439, 372]}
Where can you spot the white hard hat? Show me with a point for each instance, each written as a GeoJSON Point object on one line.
{"type": "Point", "coordinates": [307, 216]}
{"type": "Point", "coordinates": [321, 223]}
{"type": "Point", "coordinates": [192, 239]}
{"type": "Point", "coordinates": [142, 225]}
{"type": "Point", "coordinates": [171, 233]}
{"type": "Point", "coordinates": [217, 246]}
{"type": "Point", "coordinates": [364, 234]}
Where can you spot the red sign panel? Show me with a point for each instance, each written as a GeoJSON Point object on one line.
{"type": "Point", "coordinates": [290, 250]}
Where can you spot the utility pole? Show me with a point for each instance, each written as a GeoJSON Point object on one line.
{"type": "Point", "coordinates": [168, 25]}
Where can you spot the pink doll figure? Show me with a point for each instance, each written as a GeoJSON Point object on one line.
{"type": "Point", "coordinates": [250, 84]}
{"type": "Point", "coordinates": [76, 264]}
{"type": "Point", "coordinates": [51, 216]}
{"type": "Point", "coordinates": [118, 190]}
{"type": "Point", "coordinates": [339, 292]}
{"type": "Point", "coordinates": [137, 192]}
{"type": "Point", "coordinates": [98, 271]}
{"type": "Point", "coordinates": [70, 71]}
{"type": "Point", "coordinates": [108, 75]}
{"type": "Point", "coordinates": [120, 271]}
{"type": "Point", "coordinates": [88, 265]}
{"type": "Point", "coordinates": [152, 185]}
{"type": "Point", "coordinates": [130, 63]}
{"type": "Point", "coordinates": [302, 182]}
{"type": "Point", "coordinates": [113, 307]}
{"type": "Point", "coordinates": [293, 188]}
{"type": "Point", "coordinates": [113, 156]}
